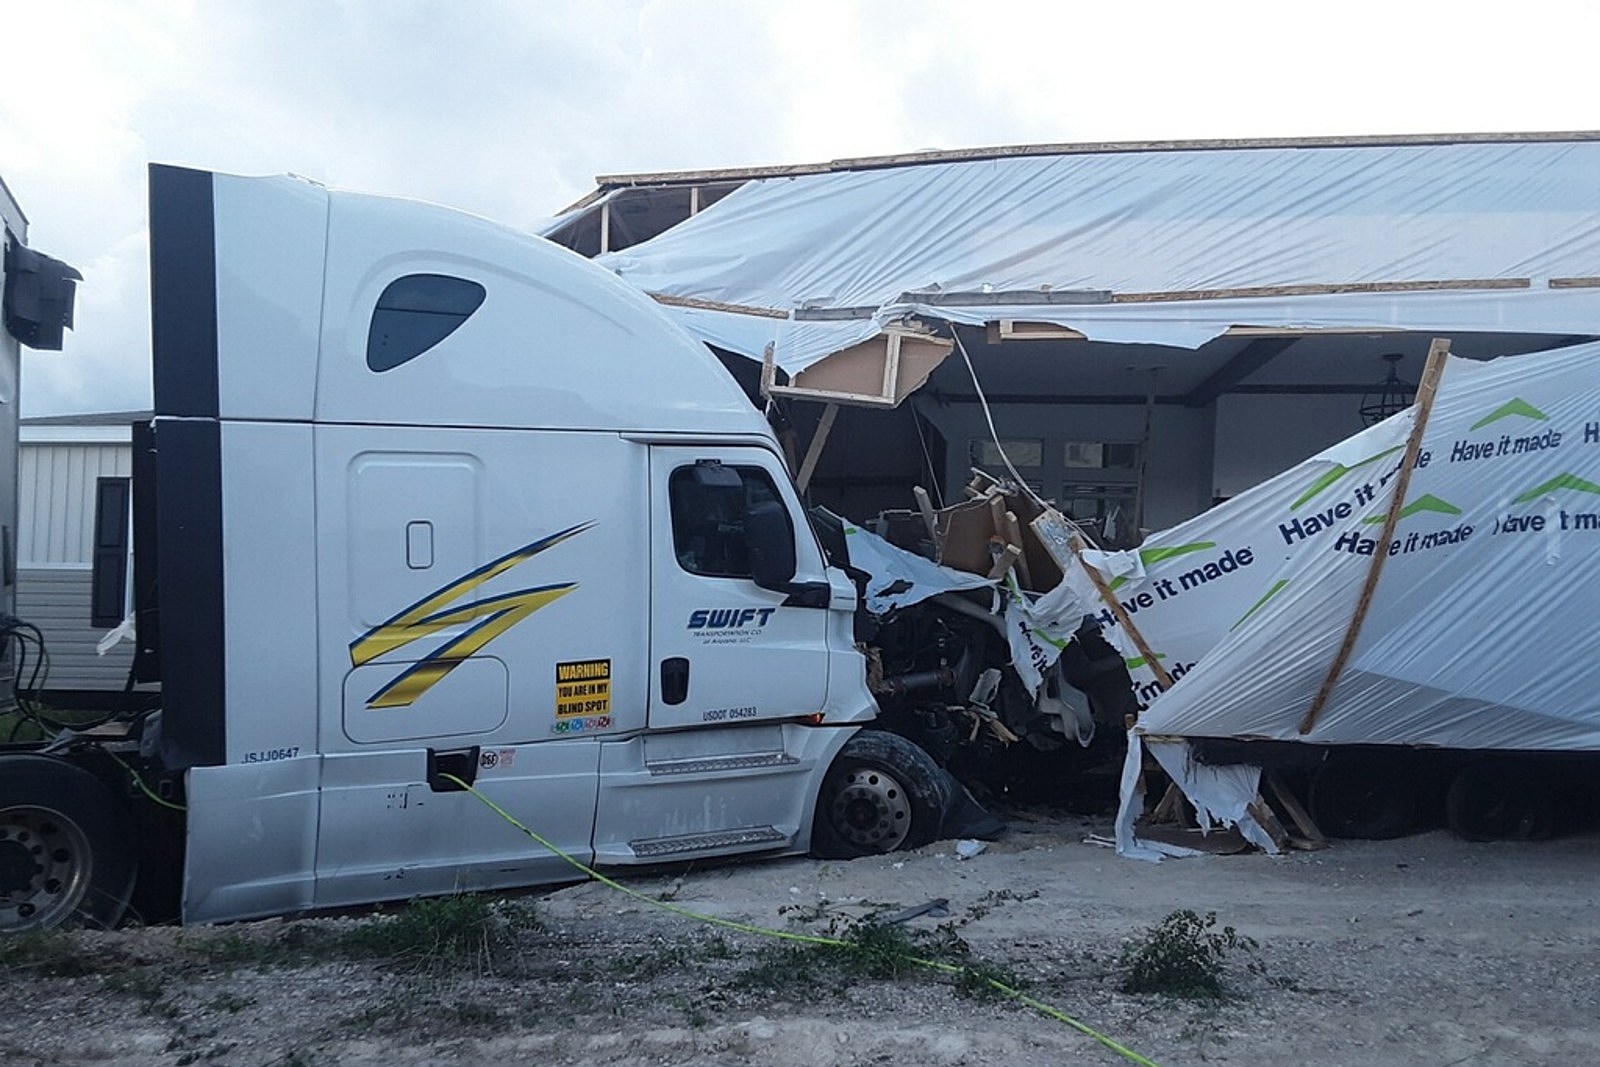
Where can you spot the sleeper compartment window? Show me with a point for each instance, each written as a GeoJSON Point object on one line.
{"type": "Point", "coordinates": [416, 312]}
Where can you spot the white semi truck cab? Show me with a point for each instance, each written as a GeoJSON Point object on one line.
{"type": "Point", "coordinates": [424, 496]}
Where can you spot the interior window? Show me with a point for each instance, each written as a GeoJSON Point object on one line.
{"type": "Point", "coordinates": [709, 503]}
{"type": "Point", "coordinates": [1023, 452]}
{"type": "Point", "coordinates": [416, 312]}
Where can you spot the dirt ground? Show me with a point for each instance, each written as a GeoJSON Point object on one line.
{"type": "Point", "coordinates": [1423, 950]}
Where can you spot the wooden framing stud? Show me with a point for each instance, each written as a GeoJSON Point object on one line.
{"type": "Point", "coordinates": [808, 466]}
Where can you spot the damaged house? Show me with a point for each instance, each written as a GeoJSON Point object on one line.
{"type": "Point", "coordinates": [1138, 332]}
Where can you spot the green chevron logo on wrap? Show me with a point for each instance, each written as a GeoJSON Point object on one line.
{"type": "Point", "coordinates": [1151, 556]}
{"type": "Point", "coordinates": [1425, 503]}
{"type": "Point", "coordinates": [1560, 481]}
{"type": "Point", "coordinates": [1339, 471]}
{"type": "Point", "coordinates": [1516, 407]}
{"type": "Point", "coordinates": [1277, 587]}
{"type": "Point", "coordinates": [1353, 542]}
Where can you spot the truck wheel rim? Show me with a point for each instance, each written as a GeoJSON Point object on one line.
{"type": "Point", "coordinates": [45, 867]}
{"type": "Point", "coordinates": [871, 810]}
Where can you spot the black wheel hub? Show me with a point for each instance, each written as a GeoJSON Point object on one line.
{"type": "Point", "coordinates": [18, 868]}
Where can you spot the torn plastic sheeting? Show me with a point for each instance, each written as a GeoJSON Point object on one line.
{"type": "Point", "coordinates": [1222, 219]}
{"type": "Point", "coordinates": [900, 578]}
{"type": "Point", "coordinates": [1117, 324]}
{"type": "Point", "coordinates": [1038, 630]}
{"type": "Point", "coordinates": [1486, 576]}
{"type": "Point", "coordinates": [1180, 324]}
{"type": "Point", "coordinates": [795, 345]}
{"type": "Point", "coordinates": [1487, 579]}
{"type": "Point", "coordinates": [1188, 324]}
{"type": "Point", "coordinates": [1132, 790]}
{"type": "Point", "coordinates": [1187, 588]}
{"type": "Point", "coordinates": [1221, 795]}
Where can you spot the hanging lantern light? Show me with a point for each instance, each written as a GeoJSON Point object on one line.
{"type": "Point", "coordinates": [1391, 397]}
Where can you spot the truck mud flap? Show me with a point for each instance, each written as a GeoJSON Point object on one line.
{"type": "Point", "coordinates": [965, 817]}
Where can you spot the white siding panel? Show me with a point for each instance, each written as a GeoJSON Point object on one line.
{"type": "Point", "coordinates": [56, 493]}
{"type": "Point", "coordinates": [56, 600]}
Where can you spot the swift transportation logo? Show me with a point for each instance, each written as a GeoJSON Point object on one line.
{"type": "Point", "coordinates": [489, 618]}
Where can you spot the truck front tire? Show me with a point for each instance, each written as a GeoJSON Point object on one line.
{"type": "Point", "coordinates": [66, 846]}
{"type": "Point", "coordinates": [882, 793]}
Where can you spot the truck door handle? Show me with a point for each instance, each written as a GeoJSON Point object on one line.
{"type": "Point", "coordinates": [674, 680]}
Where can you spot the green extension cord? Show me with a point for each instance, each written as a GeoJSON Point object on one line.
{"type": "Point", "coordinates": [811, 939]}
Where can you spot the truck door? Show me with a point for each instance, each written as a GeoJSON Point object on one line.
{"type": "Point", "coordinates": [723, 649]}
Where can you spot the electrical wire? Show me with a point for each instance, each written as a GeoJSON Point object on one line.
{"type": "Point", "coordinates": [934, 477]}
{"type": "Point", "coordinates": [810, 939]}
{"type": "Point", "coordinates": [994, 435]}
{"type": "Point", "coordinates": [32, 662]}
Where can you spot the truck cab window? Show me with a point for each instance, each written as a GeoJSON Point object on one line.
{"type": "Point", "coordinates": [709, 504]}
{"type": "Point", "coordinates": [416, 312]}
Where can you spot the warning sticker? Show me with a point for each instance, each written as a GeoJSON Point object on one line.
{"type": "Point", "coordinates": [583, 688]}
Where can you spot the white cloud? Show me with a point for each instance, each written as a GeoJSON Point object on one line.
{"type": "Point", "coordinates": [509, 108]}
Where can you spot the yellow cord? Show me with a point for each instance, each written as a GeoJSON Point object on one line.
{"type": "Point", "coordinates": [812, 939]}
{"type": "Point", "coordinates": [138, 781]}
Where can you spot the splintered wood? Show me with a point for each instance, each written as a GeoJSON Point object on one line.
{"type": "Point", "coordinates": [988, 534]}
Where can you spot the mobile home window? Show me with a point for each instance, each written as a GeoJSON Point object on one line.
{"type": "Point", "coordinates": [109, 581]}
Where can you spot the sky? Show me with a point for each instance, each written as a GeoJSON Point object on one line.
{"type": "Point", "coordinates": [510, 108]}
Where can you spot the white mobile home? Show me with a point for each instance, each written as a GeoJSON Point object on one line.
{"type": "Point", "coordinates": [65, 465]}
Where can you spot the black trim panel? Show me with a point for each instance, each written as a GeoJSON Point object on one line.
{"type": "Point", "coordinates": [189, 562]}
{"type": "Point", "coordinates": [146, 590]}
{"type": "Point", "coordinates": [183, 291]}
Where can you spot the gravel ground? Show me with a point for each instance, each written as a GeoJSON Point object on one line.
{"type": "Point", "coordinates": [1423, 950]}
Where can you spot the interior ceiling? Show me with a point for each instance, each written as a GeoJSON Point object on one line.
{"type": "Point", "coordinates": [1065, 370]}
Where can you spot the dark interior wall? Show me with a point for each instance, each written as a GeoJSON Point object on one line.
{"type": "Point", "coordinates": [1259, 436]}
{"type": "Point", "coordinates": [1177, 462]}
{"type": "Point", "coordinates": [871, 459]}
{"type": "Point", "coordinates": [1301, 401]}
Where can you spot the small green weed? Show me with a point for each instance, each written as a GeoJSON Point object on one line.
{"type": "Point", "coordinates": [877, 950]}
{"type": "Point", "coordinates": [49, 952]}
{"type": "Point", "coordinates": [671, 956]}
{"type": "Point", "coordinates": [296, 943]}
{"type": "Point", "coordinates": [1183, 956]}
{"type": "Point", "coordinates": [440, 933]}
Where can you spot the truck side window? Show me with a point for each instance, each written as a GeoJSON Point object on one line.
{"type": "Point", "coordinates": [416, 312]}
{"type": "Point", "coordinates": [709, 504]}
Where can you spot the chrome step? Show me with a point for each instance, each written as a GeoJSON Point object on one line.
{"type": "Point", "coordinates": [719, 839]}
{"type": "Point", "coordinates": [711, 764]}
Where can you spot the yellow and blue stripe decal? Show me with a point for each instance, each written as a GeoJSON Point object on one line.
{"type": "Point", "coordinates": [429, 615]}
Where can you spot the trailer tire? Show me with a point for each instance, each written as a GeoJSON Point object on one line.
{"type": "Point", "coordinates": [1499, 800]}
{"type": "Point", "coordinates": [1364, 795]}
{"type": "Point", "coordinates": [66, 846]}
{"type": "Point", "coordinates": [882, 793]}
